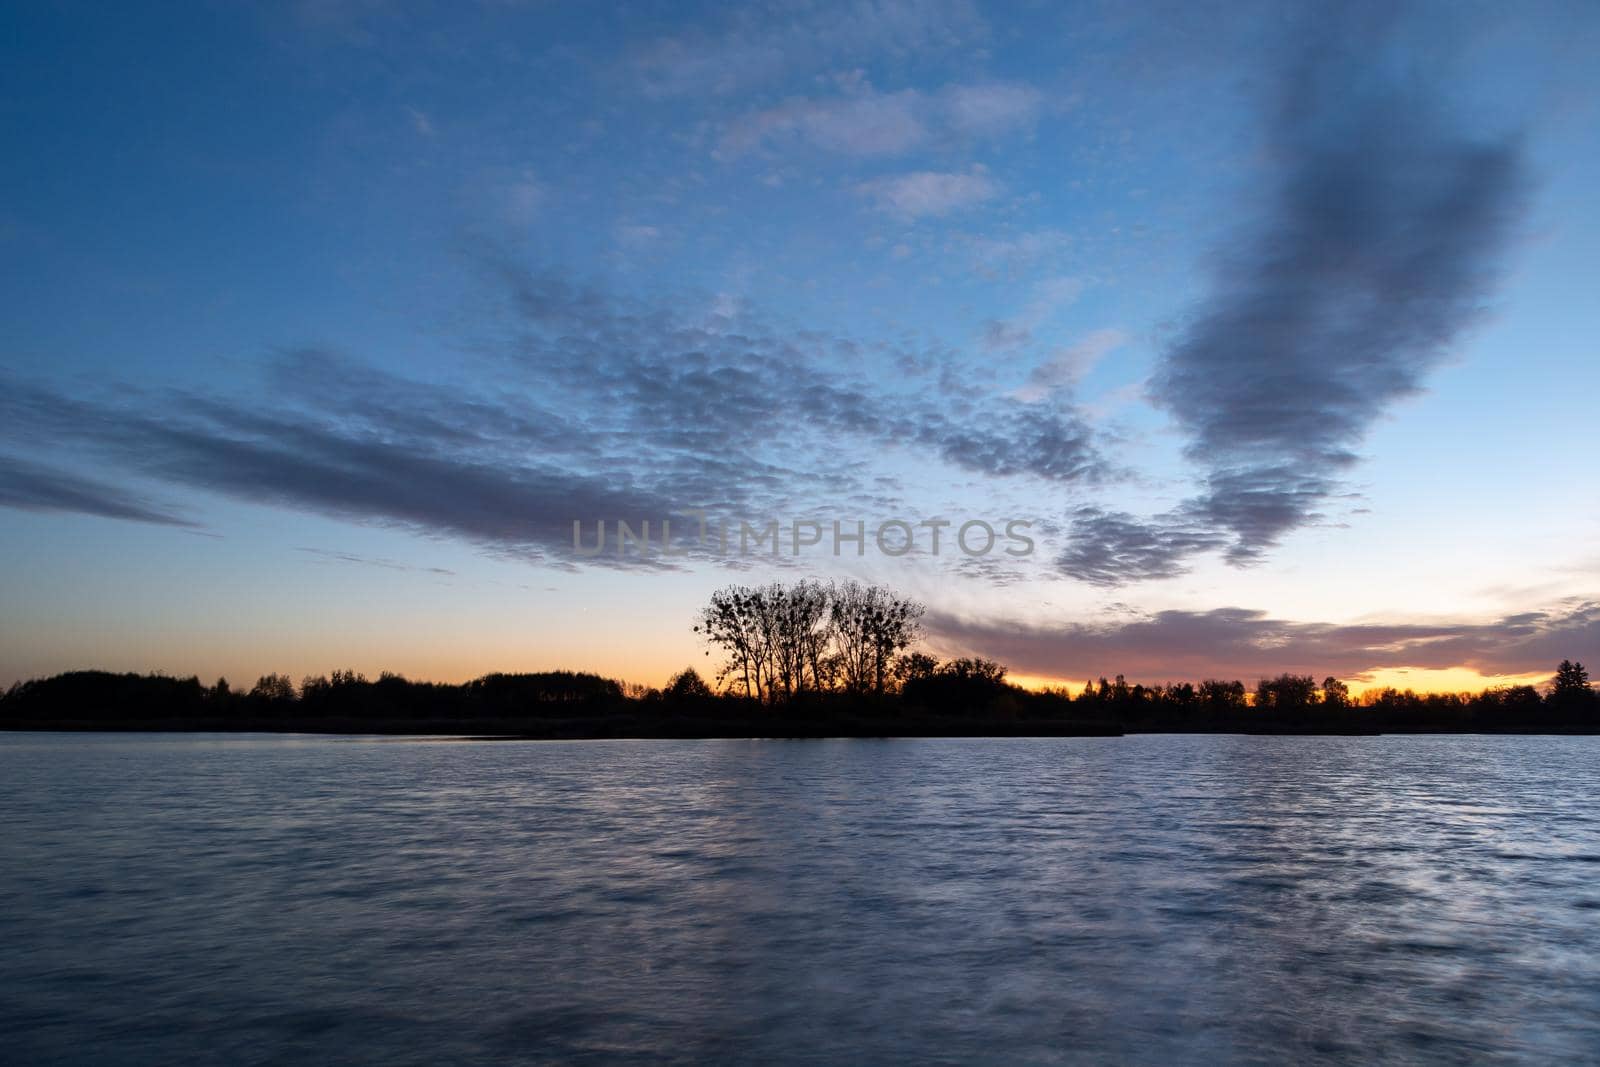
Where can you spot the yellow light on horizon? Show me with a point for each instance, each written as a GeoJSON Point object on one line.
{"type": "Point", "coordinates": [1036, 682]}
{"type": "Point", "coordinates": [1417, 679]}
{"type": "Point", "coordinates": [1439, 680]}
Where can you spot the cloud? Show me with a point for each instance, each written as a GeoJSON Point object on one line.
{"type": "Point", "coordinates": [1109, 548]}
{"type": "Point", "coordinates": [923, 193]}
{"type": "Point", "coordinates": [1048, 297]}
{"type": "Point", "coordinates": [865, 122]}
{"type": "Point", "coordinates": [1382, 240]}
{"type": "Point", "coordinates": [633, 235]}
{"type": "Point", "coordinates": [596, 408]}
{"type": "Point", "coordinates": [1068, 364]}
{"type": "Point", "coordinates": [735, 387]}
{"type": "Point", "coordinates": [328, 556]}
{"type": "Point", "coordinates": [522, 197]}
{"type": "Point", "coordinates": [759, 45]}
{"type": "Point", "coordinates": [1009, 257]}
{"type": "Point", "coordinates": [389, 464]}
{"type": "Point", "coordinates": [421, 122]}
{"type": "Point", "coordinates": [30, 487]}
{"type": "Point", "coordinates": [993, 109]}
{"type": "Point", "coordinates": [1242, 643]}
{"type": "Point", "coordinates": [864, 125]}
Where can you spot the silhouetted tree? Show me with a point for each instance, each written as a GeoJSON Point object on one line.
{"type": "Point", "coordinates": [1571, 680]}
{"type": "Point", "coordinates": [913, 666]}
{"type": "Point", "coordinates": [784, 641]}
{"type": "Point", "coordinates": [870, 627]}
{"type": "Point", "coordinates": [974, 668]}
{"type": "Point", "coordinates": [1570, 691]}
{"type": "Point", "coordinates": [798, 628]}
{"type": "Point", "coordinates": [1222, 696]}
{"type": "Point", "coordinates": [1286, 692]}
{"type": "Point", "coordinates": [968, 686]}
{"type": "Point", "coordinates": [273, 687]}
{"type": "Point", "coordinates": [686, 685]}
{"type": "Point", "coordinates": [1335, 694]}
{"type": "Point", "coordinates": [1509, 704]}
{"type": "Point", "coordinates": [734, 621]}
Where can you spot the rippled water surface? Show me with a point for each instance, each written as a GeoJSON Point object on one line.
{"type": "Point", "coordinates": [241, 900]}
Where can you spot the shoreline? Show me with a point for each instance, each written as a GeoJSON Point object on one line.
{"type": "Point", "coordinates": [484, 732]}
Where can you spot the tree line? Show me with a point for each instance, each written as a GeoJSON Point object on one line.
{"type": "Point", "coordinates": [917, 695]}
{"type": "Point", "coordinates": [804, 659]}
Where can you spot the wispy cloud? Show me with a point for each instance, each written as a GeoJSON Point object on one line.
{"type": "Point", "coordinates": [599, 408]}
{"type": "Point", "coordinates": [1048, 297]}
{"type": "Point", "coordinates": [992, 109]}
{"type": "Point", "coordinates": [1014, 255]}
{"type": "Point", "coordinates": [930, 193]}
{"type": "Point", "coordinates": [29, 486]}
{"type": "Point", "coordinates": [522, 196]}
{"type": "Point", "coordinates": [865, 122]}
{"type": "Point", "coordinates": [421, 122]}
{"type": "Point", "coordinates": [1068, 364]}
{"type": "Point", "coordinates": [329, 556]}
{"type": "Point", "coordinates": [762, 43]}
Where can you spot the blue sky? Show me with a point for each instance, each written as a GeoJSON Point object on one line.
{"type": "Point", "coordinates": [323, 322]}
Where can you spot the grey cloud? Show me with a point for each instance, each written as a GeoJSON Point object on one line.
{"type": "Point", "coordinates": [1048, 297]}
{"type": "Point", "coordinates": [405, 477]}
{"type": "Point", "coordinates": [1109, 548]}
{"type": "Point", "coordinates": [595, 407]}
{"type": "Point", "coordinates": [1066, 365]}
{"type": "Point", "coordinates": [1001, 335]}
{"type": "Point", "coordinates": [1242, 643]}
{"type": "Point", "coordinates": [329, 556]}
{"type": "Point", "coordinates": [740, 388]}
{"type": "Point", "coordinates": [31, 487]}
{"type": "Point", "coordinates": [1380, 246]}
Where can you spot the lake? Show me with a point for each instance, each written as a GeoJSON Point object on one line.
{"type": "Point", "coordinates": [251, 899]}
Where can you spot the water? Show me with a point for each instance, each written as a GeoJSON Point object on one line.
{"type": "Point", "coordinates": [240, 900]}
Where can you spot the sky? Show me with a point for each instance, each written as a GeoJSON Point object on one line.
{"type": "Point", "coordinates": [1260, 336]}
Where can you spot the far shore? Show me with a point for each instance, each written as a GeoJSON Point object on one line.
{"type": "Point", "coordinates": [965, 698]}
{"type": "Point", "coordinates": [787, 730]}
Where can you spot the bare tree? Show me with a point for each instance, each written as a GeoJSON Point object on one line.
{"type": "Point", "coordinates": [783, 641]}
{"type": "Point", "coordinates": [733, 621]}
{"type": "Point", "coordinates": [871, 626]}
{"type": "Point", "coordinates": [800, 634]}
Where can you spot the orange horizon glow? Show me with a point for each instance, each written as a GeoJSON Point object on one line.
{"type": "Point", "coordinates": [1421, 680]}
{"type": "Point", "coordinates": [451, 663]}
